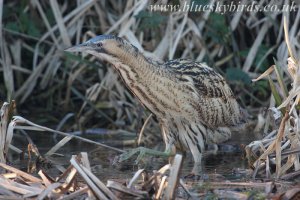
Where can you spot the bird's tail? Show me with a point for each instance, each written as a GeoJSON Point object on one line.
{"type": "Point", "coordinates": [218, 135]}
{"type": "Point", "coordinates": [243, 123]}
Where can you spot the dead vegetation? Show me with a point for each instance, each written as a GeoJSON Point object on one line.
{"type": "Point", "coordinates": [279, 149]}
{"type": "Point", "coordinates": [77, 181]}
{"type": "Point", "coordinates": [84, 94]}
{"type": "Point", "coordinates": [16, 184]}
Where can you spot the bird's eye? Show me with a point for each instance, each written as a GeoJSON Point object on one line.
{"type": "Point", "coordinates": [99, 44]}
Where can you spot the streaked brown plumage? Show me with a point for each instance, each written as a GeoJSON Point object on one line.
{"type": "Point", "coordinates": [193, 103]}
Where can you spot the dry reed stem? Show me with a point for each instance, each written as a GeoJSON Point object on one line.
{"type": "Point", "coordinates": [17, 189]}
{"type": "Point", "coordinates": [76, 193]}
{"type": "Point", "coordinates": [286, 37]}
{"type": "Point", "coordinates": [58, 145]}
{"type": "Point", "coordinates": [161, 188]}
{"type": "Point", "coordinates": [47, 24]}
{"type": "Point", "coordinates": [174, 177]}
{"type": "Point", "coordinates": [278, 142]}
{"type": "Point", "coordinates": [6, 60]}
{"type": "Point", "coordinates": [265, 74]}
{"type": "Point", "coordinates": [120, 188]}
{"type": "Point", "coordinates": [18, 119]}
{"type": "Point", "coordinates": [45, 179]}
{"type": "Point", "coordinates": [20, 173]}
{"type": "Point", "coordinates": [255, 46]}
{"type": "Point", "coordinates": [143, 128]}
{"type": "Point", "coordinates": [100, 184]}
{"type": "Point", "coordinates": [89, 182]}
{"type": "Point", "coordinates": [69, 180]}
{"type": "Point", "coordinates": [59, 20]}
{"type": "Point", "coordinates": [135, 177]}
{"type": "Point", "coordinates": [3, 130]}
{"type": "Point", "coordinates": [47, 192]}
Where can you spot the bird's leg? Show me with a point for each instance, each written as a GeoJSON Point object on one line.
{"type": "Point", "coordinates": [197, 168]}
{"type": "Point", "coordinates": [196, 173]}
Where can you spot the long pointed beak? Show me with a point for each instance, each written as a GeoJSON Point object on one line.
{"type": "Point", "coordinates": [78, 48]}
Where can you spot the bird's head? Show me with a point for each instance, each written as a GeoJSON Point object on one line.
{"type": "Point", "coordinates": [106, 47]}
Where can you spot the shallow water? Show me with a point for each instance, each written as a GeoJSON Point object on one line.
{"type": "Point", "coordinates": [227, 163]}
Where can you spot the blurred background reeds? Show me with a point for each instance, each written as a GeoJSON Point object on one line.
{"type": "Point", "coordinates": [77, 93]}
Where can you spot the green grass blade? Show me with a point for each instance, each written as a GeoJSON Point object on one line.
{"type": "Point", "coordinates": [280, 79]}
{"type": "Point", "coordinates": [275, 93]}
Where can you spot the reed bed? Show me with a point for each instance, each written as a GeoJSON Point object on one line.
{"type": "Point", "coordinates": [36, 71]}
{"type": "Point", "coordinates": [279, 149]}
{"type": "Point", "coordinates": [78, 93]}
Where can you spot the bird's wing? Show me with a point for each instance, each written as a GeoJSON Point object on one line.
{"type": "Point", "coordinates": [216, 104]}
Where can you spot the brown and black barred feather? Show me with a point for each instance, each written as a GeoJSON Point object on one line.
{"type": "Point", "coordinates": [217, 105]}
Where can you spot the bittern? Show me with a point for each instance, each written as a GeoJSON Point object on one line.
{"type": "Point", "coordinates": [192, 102]}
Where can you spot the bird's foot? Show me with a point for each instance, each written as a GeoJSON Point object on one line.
{"type": "Point", "coordinates": [192, 176]}
{"type": "Point", "coordinates": [132, 152]}
{"type": "Point", "coordinates": [142, 151]}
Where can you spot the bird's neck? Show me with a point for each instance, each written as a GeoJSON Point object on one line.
{"type": "Point", "coordinates": [142, 76]}
{"type": "Point", "coordinates": [137, 61]}
{"type": "Point", "coordinates": [135, 67]}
